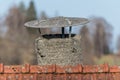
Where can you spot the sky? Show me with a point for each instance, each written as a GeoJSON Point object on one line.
{"type": "Point", "coordinates": [108, 9]}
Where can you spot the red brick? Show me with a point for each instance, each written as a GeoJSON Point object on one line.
{"type": "Point", "coordinates": [115, 69]}
{"type": "Point", "coordinates": [95, 68]}
{"type": "Point", "coordinates": [42, 69]}
{"type": "Point", "coordinates": [12, 69]}
{"type": "Point", "coordinates": [55, 72]}
{"type": "Point", "coordinates": [1, 68]}
{"type": "Point", "coordinates": [25, 68]}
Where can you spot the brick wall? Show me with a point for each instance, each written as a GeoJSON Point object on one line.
{"type": "Point", "coordinates": [55, 72]}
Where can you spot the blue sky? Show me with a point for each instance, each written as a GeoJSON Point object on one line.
{"type": "Point", "coordinates": [108, 9]}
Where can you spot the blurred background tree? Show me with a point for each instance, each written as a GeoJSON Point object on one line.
{"type": "Point", "coordinates": [31, 12]}
{"type": "Point", "coordinates": [18, 40]}
{"type": "Point", "coordinates": [86, 45]}
{"type": "Point", "coordinates": [14, 21]}
{"type": "Point", "coordinates": [96, 40]}
{"type": "Point", "coordinates": [118, 45]}
{"type": "Point", "coordinates": [17, 44]}
{"type": "Point", "coordinates": [31, 15]}
{"type": "Point", "coordinates": [102, 36]}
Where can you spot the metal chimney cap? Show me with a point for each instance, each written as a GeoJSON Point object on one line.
{"type": "Point", "coordinates": [57, 22]}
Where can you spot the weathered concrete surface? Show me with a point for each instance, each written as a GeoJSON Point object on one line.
{"type": "Point", "coordinates": [60, 51]}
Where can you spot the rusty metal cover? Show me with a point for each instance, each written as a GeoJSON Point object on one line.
{"type": "Point", "coordinates": [57, 22]}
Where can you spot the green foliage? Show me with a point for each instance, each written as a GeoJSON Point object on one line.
{"type": "Point", "coordinates": [31, 15]}
{"type": "Point", "coordinates": [110, 59]}
{"type": "Point", "coordinates": [105, 59]}
{"type": "Point", "coordinates": [31, 12]}
{"type": "Point", "coordinates": [22, 9]}
{"type": "Point", "coordinates": [43, 15]}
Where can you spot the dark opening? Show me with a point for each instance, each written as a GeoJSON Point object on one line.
{"type": "Point", "coordinates": [50, 36]}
